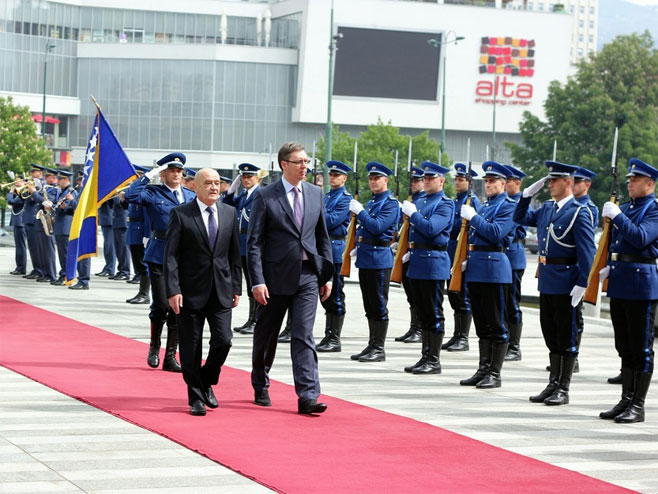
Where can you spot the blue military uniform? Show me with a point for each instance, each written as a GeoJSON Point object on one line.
{"type": "Point", "coordinates": [63, 217]}
{"type": "Point", "coordinates": [516, 255]}
{"type": "Point", "coordinates": [138, 229]}
{"type": "Point", "coordinates": [566, 250]}
{"type": "Point", "coordinates": [414, 333]}
{"type": "Point", "coordinates": [585, 174]}
{"type": "Point", "coordinates": [488, 275]}
{"type": "Point", "coordinates": [17, 204]}
{"type": "Point", "coordinates": [429, 266]}
{"type": "Point", "coordinates": [377, 225]}
{"type": "Point", "coordinates": [45, 240]}
{"type": "Point", "coordinates": [633, 292]}
{"type": "Point", "coordinates": [109, 253]}
{"type": "Point", "coordinates": [119, 232]}
{"type": "Point", "coordinates": [30, 208]}
{"type": "Point", "coordinates": [158, 201]}
{"type": "Point", "coordinates": [459, 301]}
{"type": "Point", "coordinates": [84, 265]}
{"type": "Point", "coordinates": [242, 203]}
{"type": "Point", "coordinates": [337, 218]}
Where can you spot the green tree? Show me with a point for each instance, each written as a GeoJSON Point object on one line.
{"type": "Point", "coordinates": [20, 144]}
{"type": "Point", "coordinates": [618, 87]}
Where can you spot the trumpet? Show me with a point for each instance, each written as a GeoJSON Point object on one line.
{"type": "Point", "coordinates": [8, 184]}
{"type": "Point", "coordinates": [24, 192]}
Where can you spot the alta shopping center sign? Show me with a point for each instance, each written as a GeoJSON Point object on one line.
{"type": "Point", "coordinates": [505, 66]}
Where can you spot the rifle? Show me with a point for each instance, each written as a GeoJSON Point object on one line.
{"type": "Point", "coordinates": [350, 241]}
{"type": "Point", "coordinates": [403, 237]}
{"type": "Point", "coordinates": [601, 257]}
{"type": "Point", "coordinates": [461, 252]}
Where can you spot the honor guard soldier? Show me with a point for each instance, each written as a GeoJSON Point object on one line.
{"type": "Point", "coordinates": [224, 184]}
{"type": "Point", "coordinates": [488, 273]}
{"type": "Point", "coordinates": [414, 333]}
{"type": "Point", "coordinates": [119, 207]}
{"type": "Point", "coordinates": [63, 217]}
{"type": "Point", "coordinates": [188, 179]}
{"type": "Point", "coordinates": [633, 288]}
{"type": "Point", "coordinates": [45, 198]}
{"type": "Point", "coordinates": [377, 224]}
{"type": "Point", "coordinates": [430, 222]}
{"type": "Point", "coordinates": [582, 180]}
{"type": "Point", "coordinates": [138, 229]}
{"type": "Point", "coordinates": [566, 250]}
{"type": "Point", "coordinates": [84, 265]}
{"type": "Point", "coordinates": [17, 204]}
{"type": "Point", "coordinates": [459, 301]}
{"type": "Point", "coordinates": [337, 218]}
{"type": "Point", "coordinates": [158, 200]}
{"type": "Point", "coordinates": [516, 255]}
{"type": "Point", "coordinates": [30, 220]}
{"type": "Point", "coordinates": [109, 254]}
{"type": "Point", "coordinates": [250, 179]}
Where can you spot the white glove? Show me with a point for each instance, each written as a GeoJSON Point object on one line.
{"type": "Point", "coordinates": [604, 273]}
{"type": "Point", "coordinates": [534, 188]}
{"type": "Point", "coordinates": [577, 293]}
{"type": "Point", "coordinates": [610, 210]}
{"type": "Point", "coordinates": [406, 257]}
{"type": "Point", "coordinates": [145, 241]}
{"type": "Point", "coordinates": [464, 265]}
{"type": "Point", "coordinates": [355, 206]}
{"type": "Point", "coordinates": [234, 185]}
{"type": "Point", "coordinates": [394, 247]}
{"type": "Point", "coordinates": [408, 208]}
{"type": "Point", "coordinates": [353, 253]}
{"type": "Point", "coordinates": [467, 212]}
{"type": "Point", "coordinates": [156, 171]}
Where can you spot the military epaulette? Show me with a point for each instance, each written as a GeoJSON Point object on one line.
{"type": "Point", "coordinates": [347, 193]}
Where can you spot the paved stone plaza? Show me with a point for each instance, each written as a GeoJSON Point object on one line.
{"type": "Point", "coordinates": [52, 443]}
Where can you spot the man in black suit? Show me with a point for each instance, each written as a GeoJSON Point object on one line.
{"type": "Point", "coordinates": [289, 261]}
{"type": "Point", "coordinates": [204, 282]}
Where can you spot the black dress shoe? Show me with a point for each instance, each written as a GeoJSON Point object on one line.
{"type": "Point", "coordinates": [79, 286]}
{"type": "Point", "coordinates": [139, 299]}
{"type": "Point", "coordinates": [45, 279]}
{"type": "Point", "coordinates": [121, 277]}
{"type": "Point", "coordinates": [210, 398]}
{"type": "Point", "coordinates": [308, 407]}
{"type": "Point", "coordinates": [58, 282]}
{"type": "Point", "coordinates": [30, 276]}
{"type": "Point", "coordinates": [104, 274]}
{"type": "Point", "coordinates": [16, 272]}
{"type": "Point", "coordinates": [134, 280]}
{"type": "Point", "coordinates": [262, 398]}
{"type": "Point", "coordinates": [198, 408]}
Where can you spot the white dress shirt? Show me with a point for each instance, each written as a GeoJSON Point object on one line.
{"type": "Point", "coordinates": [205, 215]}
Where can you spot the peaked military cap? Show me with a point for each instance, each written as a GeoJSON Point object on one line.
{"type": "Point", "coordinates": [584, 174]}
{"type": "Point", "coordinates": [248, 169]}
{"type": "Point", "coordinates": [515, 172]}
{"type": "Point", "coordinates": [64, 174]}
{"type": "Point", "coordinates": [558, 170]}
{"type": "Point", "coordinates": [638, 167]}
{"type": "Point", "coordinates": [461, 169]}
{"type": "Point", "coordinates": [375, 168]}
{"type": "Point", "coordinates": [493, 169]}
{"type": "Point", "coordinates": [430, 169]}
{"type": "Point", "coordinates": [225, 179]}
{"type": "Point", "coordinates": [416, 173]}
{"type": "Point", "coordinates": [174, 160]}
{"type": "Point", "coordinates": [338, 167]}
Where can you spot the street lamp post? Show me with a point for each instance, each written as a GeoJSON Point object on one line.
{"type": "Point", "coordinates": [50, 46]}
{"type": "Point", "coordinates": [436, 43]}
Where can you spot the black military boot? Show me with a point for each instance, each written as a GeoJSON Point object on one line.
{"type": "Point", "coordinates": [423, 353]}
{"type": "Point", "coordinates": [483, 367]}
{"type": "Point", "coordinates": [554, 359]}
{"type": "Point", "coordinates": [561, 394]}
{"type": "Point", "coordinates": [413, 326]}
{"type": "Point", "coordinates": [170, 363]}
{"type": "Point", "coordinates": [376, 353]}
{"type": "Point", "coordinates": [461, 341]}
{"type": "Point", "coordinates": [616, 380]}
{"type": "Point", "coordinates": [415, 329]}
{"type": "Point", "coordinates": [153, 358]}
{"type": "Point", "coordinates": [627, 384]}
{"type": "Point", "coordinates": [432, 364]}
{"type": "Point", "coordinates": [492, 378]}
{"type": "Point", "coordinates": [286, 335]}
{"type": "Point", "coordinates": [371, 342]}
{"type": "Point", "coordinates": [142, 296]}
{"type": "Point", "coordinates": [514, 348]}
{"type": "Point", "coordinates": [250, 319]}
{"type": "Point", "coordinates": [635, 410]}
{"type": "Point", "coordinates": [331, 340]}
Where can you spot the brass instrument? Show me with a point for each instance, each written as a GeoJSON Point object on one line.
{"type": "Point", "coordinates": [23, 192]}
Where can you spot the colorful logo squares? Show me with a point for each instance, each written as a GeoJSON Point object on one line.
{"type": "Point", "coordinates": [508, 56]}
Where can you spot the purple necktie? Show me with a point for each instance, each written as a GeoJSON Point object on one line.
{"type": "Point", "coordinates": [299, 214]}
{"type": "Point", "coordinates": [212, 226]}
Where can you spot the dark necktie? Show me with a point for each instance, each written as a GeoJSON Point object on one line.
{"type": "Point", "coordinates": [299, 214]}
{"type": "Point", "coordinates": [212, 226]}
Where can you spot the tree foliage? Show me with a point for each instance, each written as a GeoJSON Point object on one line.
{"type": "Point", "coordinates": [618, 87]}
{"type": "Point", "coordinates": [20, 144]}
{"type": "Point", "coordinates": [379, 143]}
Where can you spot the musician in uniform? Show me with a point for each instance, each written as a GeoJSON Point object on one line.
{"type": "Point", "coordinates": [250, 179]}
{"type": "Point", "coordinates": [43, 226]}
{"type": "Point", "coordinates": [377, 224]}
{"type": "Point", "coordinates": [430, 222]}
{"type": "Point", "coordinates": [488, 274]}
{"type": "Point", "coordinates": [119, 207]}
{"type": "Point", "coordinates": [633, 288]}
{"type": "Point", "coordinates": [337, 218]}
{"type": "Point", "coordinates": [516, 255]}
{"type": "Point", "coordinates": [109, 254]}
{"type": "Point", "coordinates": [566, 250]}
{"type": "Point", "coordinates": [138, 229]}
{"type": "Point", "coordinates": [16, 221]}
{"type": "Point", "coordinates": [459, 301]}
{"type": "Point", "coordinates": [63, 217]}
{"type": "Point", "coordinates": [414, 333]}
{"type": "Point", "coordinates": [158, 200]}
{"type": "Point", "coordinates": [30, 209]}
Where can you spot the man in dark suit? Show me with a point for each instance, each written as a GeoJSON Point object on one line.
{"type": "Point", "coordinates": [289, 260]}
{"type": "Point", "coordinates": [204, 282]}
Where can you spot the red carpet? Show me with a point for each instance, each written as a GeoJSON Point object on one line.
{"type": "Point", "coordinates": [349, 449]}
